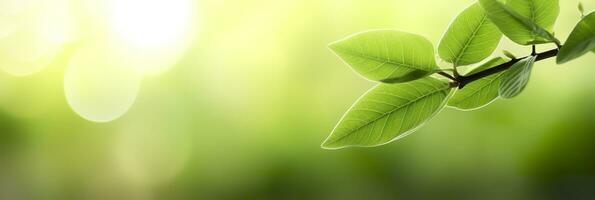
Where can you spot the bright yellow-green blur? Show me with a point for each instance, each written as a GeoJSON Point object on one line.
{"type": "Point", "coordinates": [231, 99]}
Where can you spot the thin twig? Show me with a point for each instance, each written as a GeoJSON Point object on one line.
{"type": "Point", "coordinates": [465, 80]}
{"type": "Point", "coordinates": [447, 76]}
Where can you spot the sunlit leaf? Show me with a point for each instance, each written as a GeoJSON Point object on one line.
{"type": "Point", "coordinates": [479, 93]}
{"type": "Point", "coordinates": [387, 55]}
{"type": "Point", "coordinates": [525, 22]}
{"type": "Point", "coordinates": [471, 38]}
{"type": "Point", "coordinates": [516, 78]}
{"type": "Point", "coordinates": [389, 112]}
{"type": "Point", "coordinates": [580, 41]}
{"type": "Point", "coordinates": [544, 13]}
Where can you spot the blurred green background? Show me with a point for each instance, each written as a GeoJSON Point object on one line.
{"type": "Point", "coordinates": [242, 112]}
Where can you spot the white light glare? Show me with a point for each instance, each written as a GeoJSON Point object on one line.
{"type": "Point", "coordinates": [151, 22]}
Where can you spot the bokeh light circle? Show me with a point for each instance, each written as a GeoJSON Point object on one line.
{"type": "Point", "coordinates": [32, 34]}
{"type": "Point", "coordinates": [98, 86]}
{"type": "Point", "coordinates": [26, 52]}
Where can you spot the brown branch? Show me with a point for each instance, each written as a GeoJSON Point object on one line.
{"type": "Point", "coordinates": [447, 75]}
{"type": "Point", "coordinates": [465, 80]}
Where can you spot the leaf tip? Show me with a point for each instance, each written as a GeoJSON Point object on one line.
{"type": "Point", "coordinates": [330, 145]}
{"type": "Point", "coordinates": [333, 45]}
{"type": "Point", "coordinates": [561, 59]}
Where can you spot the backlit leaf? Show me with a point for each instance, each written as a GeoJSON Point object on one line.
{"type": "Point", "coordinates": [388, 56]}
{"type": "Point", "coordinates": [389, 112]}
{"type": "Point", "coordinates": [471, 38]}
{"type": "Point", "coordinates": [525, 22]}
{"type": "Point", "coordinates": [516, 78]}
{"type": "Point", "coordinates": [544, 13]}
{"type": "Point", "coordinates": [479, 93]}
{"type": "Point", "coordinates": [580, 41]}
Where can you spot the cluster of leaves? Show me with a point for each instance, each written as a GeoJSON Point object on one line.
{"type": "Point", "coordinates": [413, 88]}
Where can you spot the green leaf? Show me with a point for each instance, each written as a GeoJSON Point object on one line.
{"type": "Point", "coordinates": [471, 38]}
{"type": "Point", "coordinates": [481, 92]}
{"type": "Point", "coordinates": [544, 13]}
{"type": "Point", "coordinates": [525, 22]}
{"type": "Point", "coordinates": [580, 41]}
{"type": "Point", "coordinates": [389, 112]}
{"type": "Point", "coordinates": [388, 56]}
{"type": "Point", "coordinates": [516, 78]}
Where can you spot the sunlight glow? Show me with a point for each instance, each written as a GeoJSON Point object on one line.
{"type": "Point", "coordinates": [151, 22]}
{"type": "Point", "coordinates": [150, 155]}
{"type": "Point", "coordinates": [151, 34]}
